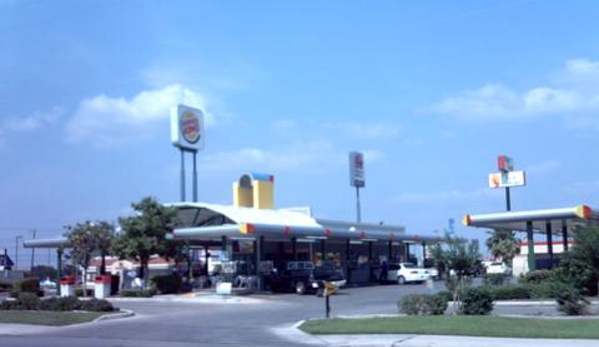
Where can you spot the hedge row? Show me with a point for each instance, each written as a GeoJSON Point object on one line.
{"type": "Point", "coordinates": [30, 301]}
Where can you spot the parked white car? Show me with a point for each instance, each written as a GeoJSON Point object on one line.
{"type": "Point", "coordinates": [407, 272]}
{"type": "Point", "coordinates": [497, 267]}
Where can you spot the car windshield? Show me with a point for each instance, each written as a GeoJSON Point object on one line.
{"type": "Point", "coordinates": [409, 266]}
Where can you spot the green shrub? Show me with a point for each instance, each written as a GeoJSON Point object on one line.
{"type": "Point", "coordinates": [446, 294]}
{"type": "Point", "coordinates": [136, 293]}
{"type": "Point", "coordinates": [96, 305]}
{"type": "Point", "coordinates": [476, 301]}
{"type": "Point", "coordinates": [28, 301]}
{"type": "Point", "coordinates": [6, 305]}
{"type": "Point", "coordinates": [29, 285]}
{"type": "Point", "coordinates": [495, 279]}
{"type": "Point", "coordinates": [5, 286]}
{"type": "Point", "coordinates": [509, 292]}
{"type": "Point", "coordinates": [572, 303]}
{"type": "Point", "coordinates": [68, 303]}
{"type": "Point", "coordinates": [50, 304]}
{"type": "Point", "coordinates": [423, 304]}
{"type": "Point", "coordinates": [548, 290]}
{"type": "Point", "coordinates": [167, 284]}
{"type": "Point", "coordinates": [537, 277]}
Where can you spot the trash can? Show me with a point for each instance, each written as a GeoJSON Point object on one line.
{"type": "Point", "coordinates": [67, 286]}
{"type": "Point", "coordinates": [102, 286]}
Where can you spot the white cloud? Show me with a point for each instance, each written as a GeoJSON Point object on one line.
{"type": "Point", "coordinates": [313, 157]}
{"type": "Point", "coordinates": [367, 131]}
{"type": "Point", "coordinates": [33, 122]}
{"type": "Point", "coordinates": [106, 121]}
{"type": "Point", "coordinates": [575, 91]}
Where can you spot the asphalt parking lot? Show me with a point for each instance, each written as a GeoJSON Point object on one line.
{"type": "Point", "coordinates": [210, 320]}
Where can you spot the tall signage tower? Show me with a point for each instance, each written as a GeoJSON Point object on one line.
{"type": "Point", "coordinates": [187, 134]}
{"type": "Point", "coordinates": [356, 178]}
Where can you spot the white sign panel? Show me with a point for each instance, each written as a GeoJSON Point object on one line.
{"type": "Point", "coordinates": [507, 179]}
{"type": "Point", "coordinates": [187, 128]}
{"type": "Point", "coordinates": [356, 169]}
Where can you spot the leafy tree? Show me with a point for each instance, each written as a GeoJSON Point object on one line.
{"type": "Point", "coordinates": [436, 255]}
{"type": "Point", "coordinates": [504, 244]}
{"type": "Point", "coordinates": [461, 260]}
{"type": "Point", "coordinates": [580, 266]}
{"type": "Point", "coordinates": [103, 237]}
{"type": "Point", "coordinates": [44, 271]}
{"type": "Point", "coordinates": [86, 239]}
{"type": "Point", "coordinates": [144, 234]}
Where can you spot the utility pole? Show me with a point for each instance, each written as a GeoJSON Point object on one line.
{"type": "Point", "coordinates": [19, 237]}
{"type": "Point", "coordinates": [33, 251]}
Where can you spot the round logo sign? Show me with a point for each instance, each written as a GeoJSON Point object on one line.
{"type": "Point", "coordinates": [190, 127]}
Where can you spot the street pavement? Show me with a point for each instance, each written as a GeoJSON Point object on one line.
{"type": "Point", "coordinates": [256, 320]}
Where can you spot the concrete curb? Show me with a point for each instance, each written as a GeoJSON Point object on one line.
{"type": "Point", "coordinates": [200, 299]}
{"type": "Point", "coordinates": [111, 316]}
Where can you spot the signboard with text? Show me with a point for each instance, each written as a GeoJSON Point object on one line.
{"type": "Point", "coordinates": [507, 179]}
{"type": "Point", "coordinates": [356, 170]}
{"type": "Point", "coordinates": [187, 128]}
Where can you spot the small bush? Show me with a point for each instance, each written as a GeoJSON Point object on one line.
{"type": "Point", "coordinates": [496, 279]}
{"type": "Point", "coordinates": [7, 305]}
{"type": "Point", "coordinates": [572, 303]}
{"type": "Point", "coordinates": [167, 284]}
{"type": "Point", "coordinates": [96, 305]}
{"type": "Point", "coordinates": [537, 277]}
{"type": "Point", "coordinates": [68, 303]}
{"type": "Point", "coordinates": [28, 301]}
{"type": "Point", "coordinates": [509, 292]}
{"type": "Point", "coordinates": [50, 304]}
{"type": "Point", "coordinates": [446, 294]}
{"type": "Point", "coordinates": [136, 293]}
{"type": "Point", "coordinates": [29, 285]}
{"type": "Point", "coordinates": [476, 301]}
{"type": "Point", "coordinates": [423, 304]}
{"type": "Point", "coordinates": [548, 290]}
{"type": "Point", "coordinates": [5, 286]}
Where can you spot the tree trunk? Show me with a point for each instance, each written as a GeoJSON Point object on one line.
{"type": "Point", "coordinates": [84, 282]}
{"type": "Point", "coordinates": [143, 272]}
{"type": "Point", "coordinates": [103, 266]}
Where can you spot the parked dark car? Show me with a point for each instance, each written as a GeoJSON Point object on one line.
{"type": "Point", "coordinates": [303, 277]}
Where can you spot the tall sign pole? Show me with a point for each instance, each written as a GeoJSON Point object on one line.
{"type": "Point", "coordinates": [182, 174]}
{"type": "Point", "coordinates": [356, 178]}
{"type": "Point", "coordinates": [506, 178]}
{"type": "Point", "coordinates": [187, 134]}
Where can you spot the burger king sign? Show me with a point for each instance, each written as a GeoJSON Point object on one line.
{"type": "Point", "coordinates": [187, 128]}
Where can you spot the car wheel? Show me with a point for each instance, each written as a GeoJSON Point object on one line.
{"type": "Point", "coordinates": [300, 288]}
{"type": "Point", "coordinates": [401, 280]}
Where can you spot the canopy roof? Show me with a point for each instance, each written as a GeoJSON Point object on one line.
{"type": "Point", "coordinates": [559, 218]}
{"type": "Point", "coordinates": [209, 221]}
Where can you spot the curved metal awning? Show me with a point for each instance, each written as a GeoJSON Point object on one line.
{"type": "Point", "coordinates": [243, 222]}
{"type": "Point", "coordinates": [559, 218]}
{"type": "Point", "coordinates": [44, 243]}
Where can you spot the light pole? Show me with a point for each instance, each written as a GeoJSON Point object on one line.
{"type": "Point", "coordinates": [19, 237]}
{"type": "Point", "coordinates": [33, 251]}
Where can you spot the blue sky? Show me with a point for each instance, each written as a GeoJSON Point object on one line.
{"type": "Point", "coordinates": [430, 91]}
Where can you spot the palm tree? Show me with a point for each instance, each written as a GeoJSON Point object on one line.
{"type": "Point", "coordinates": [503, 243]}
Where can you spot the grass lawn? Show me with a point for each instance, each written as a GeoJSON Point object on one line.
{"type": "Point", "coordinates": [47, 317]}
{"type": "Point", "coordinates": [460, 325]}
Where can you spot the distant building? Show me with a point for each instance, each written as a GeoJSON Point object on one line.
{"type": "Point", "coordinates": [5, 262]}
